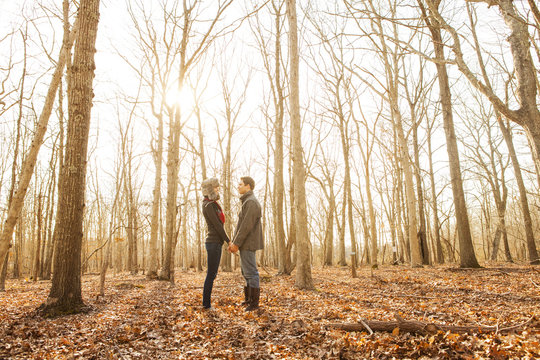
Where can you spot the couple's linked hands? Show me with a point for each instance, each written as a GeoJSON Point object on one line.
{"type": "Point", "coordinates": [233, 248]}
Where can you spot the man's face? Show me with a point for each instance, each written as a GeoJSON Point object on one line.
{"type": "Point", "coordinates": [243, 188]}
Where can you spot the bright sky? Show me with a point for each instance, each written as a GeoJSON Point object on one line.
{"type": "Point", "coordinates": [116, 85]}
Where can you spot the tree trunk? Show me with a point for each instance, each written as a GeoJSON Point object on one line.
{"type": "Point", "coordinates": [3, 273]}
{"type": "Point", "coordinates": [405, 250]}
{"type": "Point", "coordinates": [303, 247]}
{"type": "Point", "coordinates": [16, 259]}
{"type": "Point", "coordinates": [198, 260]}
{"type": "Point", "coordinates": [284, 259]}
{"type": "Point", "coordinates": [523, 197]}
{"type": "Point", "coordinates": [226, 260]}
{"type": "Point", "coordinates": [173, 162]}
{"type": "Point", "coordinates": [65, 295]}
{"type": "Point", "coordinates": [372, 220]}
{"type": "Point", "coordinates": [156, 203]}
{"type": "Point", "coordinates": [422, 238]}
{"type": "Point", "coordinates": [131, 218]}
{"type": "Point", "coordinates": [439, 256]}
{"type": "Point", "coordinates": [328, 254]}
{"type": "Point", "coordinates": [466, 247]}
{"type": "Point", "coordinates": [340, 220]}
{"type": "Point", "coordinates": [39, 218]}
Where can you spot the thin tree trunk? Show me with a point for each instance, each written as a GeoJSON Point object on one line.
{"type": "Point", "coordinates": [340, 220]}
{"type": "Point", "coordinates": [284, 259]}
{"type": "Point", "coordinates": [422, 238]}
{"type": "Point", "coordinates": [466, 247]}
{"type": "Point", "coordinates": [156, 203]}
{"type": "Point", "coordinates": [3, 273]}
{"type": "Point", "coordinates": [39, 218]}
{"type": "Point", "coordinates": [304, 279]}
{"type": "Point", "coordinates": [173, 162]}
{"type": "Point", "coordinates": [439, 256]}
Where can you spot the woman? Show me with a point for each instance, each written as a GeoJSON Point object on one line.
{"type": "Point", "coordinates": [215, 218]}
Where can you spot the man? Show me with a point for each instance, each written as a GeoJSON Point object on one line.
{"type": "Point", "coordinates": [248, 237]}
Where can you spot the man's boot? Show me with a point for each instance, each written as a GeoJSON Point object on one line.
{"type": "Point", "coordinates": [247, 295]}
{"type": "Point", "coordinates": [254, 299]}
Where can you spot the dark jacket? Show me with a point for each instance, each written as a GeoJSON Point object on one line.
{"type": "Point", "coordinates": [248, 234]}
{"type": "Point", "coordinates": [216, 232]}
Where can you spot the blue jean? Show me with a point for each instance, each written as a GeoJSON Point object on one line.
{"type": "Point", "coordinates": [213, 251]}
{"type": "Point", "coordinates": [248, 265]}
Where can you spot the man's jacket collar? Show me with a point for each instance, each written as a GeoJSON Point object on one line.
{"type": "Point", "coordinates": [246, 195]}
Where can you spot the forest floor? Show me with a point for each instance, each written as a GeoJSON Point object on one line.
{"type": "Point", "coordinates": [144, 319]}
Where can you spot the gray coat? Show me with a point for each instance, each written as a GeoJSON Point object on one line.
{"type": "Point", "coordinates": [248, 234]}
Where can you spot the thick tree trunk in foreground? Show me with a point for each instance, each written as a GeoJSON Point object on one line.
{"type": "Point", "coordinates": [66, 295]}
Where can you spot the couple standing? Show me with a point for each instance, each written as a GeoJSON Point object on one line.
{"type": "Point", "coordinates": [248, 238]}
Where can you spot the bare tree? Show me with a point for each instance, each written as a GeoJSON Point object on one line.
{"type": "Point", "coordinates": [274, 69]}
{"type": "Point", "coordinates": [65, 295]}
{"type": "Point", "coordinates": [467, 255]}
{"type": "Point", "coordinates": [507, 135]}
{"type": "Point", "coordinates": [303, 246]}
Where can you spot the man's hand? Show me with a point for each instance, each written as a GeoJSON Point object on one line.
{"type": "Point", "coordinates": [232, 248]}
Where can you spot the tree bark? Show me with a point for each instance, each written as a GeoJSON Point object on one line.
{"type": "Point", "coordinates": [39, 218]}
{"type": "Point", "coordinates": [173, 162]}
{"type": "Point", "coordinates": [66, 295]}
{"type": "Point", "coordinates": [419, 327]}
{"type": "Point", "coordinates": [422, 233]}
{"type": "Point", "coordinates": [284, 258]}
{"type": "Point", "coordinates": [156, 204]}
{"type": "Point", "coordinates": [439, 256]}
{"type": "Point", "coordinates": [304, 279]}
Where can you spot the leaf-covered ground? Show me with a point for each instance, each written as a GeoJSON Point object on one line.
{"type": "Point", "coordinates": [142, 319]}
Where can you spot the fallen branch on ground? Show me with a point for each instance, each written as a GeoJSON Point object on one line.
{"type": "Point", "coordinates": [412, 326]}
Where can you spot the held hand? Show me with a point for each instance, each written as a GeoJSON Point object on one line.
{"type": "Point", "coordinates": [232, 248]}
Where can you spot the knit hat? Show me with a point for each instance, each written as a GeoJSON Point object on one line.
{"type": "Point", "coordinates": [208, 186]}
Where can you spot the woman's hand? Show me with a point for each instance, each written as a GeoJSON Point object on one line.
{"type": "Point", "coordinates": [233, 248]}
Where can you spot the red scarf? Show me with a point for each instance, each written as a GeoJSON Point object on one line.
{"type": "Point", "coordinates": [220, 213]}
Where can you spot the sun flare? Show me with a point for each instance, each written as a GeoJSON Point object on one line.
{"type": "Point", "coordinates": [183, 98]}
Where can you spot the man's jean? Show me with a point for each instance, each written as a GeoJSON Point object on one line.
{"type": "Point", "coordinates": [248, 265]}
{"type": "Point", "coordinates": [213, 251]}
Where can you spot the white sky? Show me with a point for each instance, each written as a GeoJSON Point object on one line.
{"type": "Point", "coordinates": [114, 80]}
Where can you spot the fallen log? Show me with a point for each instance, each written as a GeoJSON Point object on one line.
{"type": "Point", "coordinates": [419, 327]}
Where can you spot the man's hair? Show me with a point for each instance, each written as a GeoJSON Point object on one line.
{"type": "Point", "coordinates": [248, 181]}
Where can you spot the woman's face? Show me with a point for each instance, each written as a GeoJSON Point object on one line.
{"type": "Point", "coordinates": [216, 189]}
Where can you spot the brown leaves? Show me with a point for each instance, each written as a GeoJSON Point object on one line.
{"type": "Point", "coordinates": [142, 319]}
